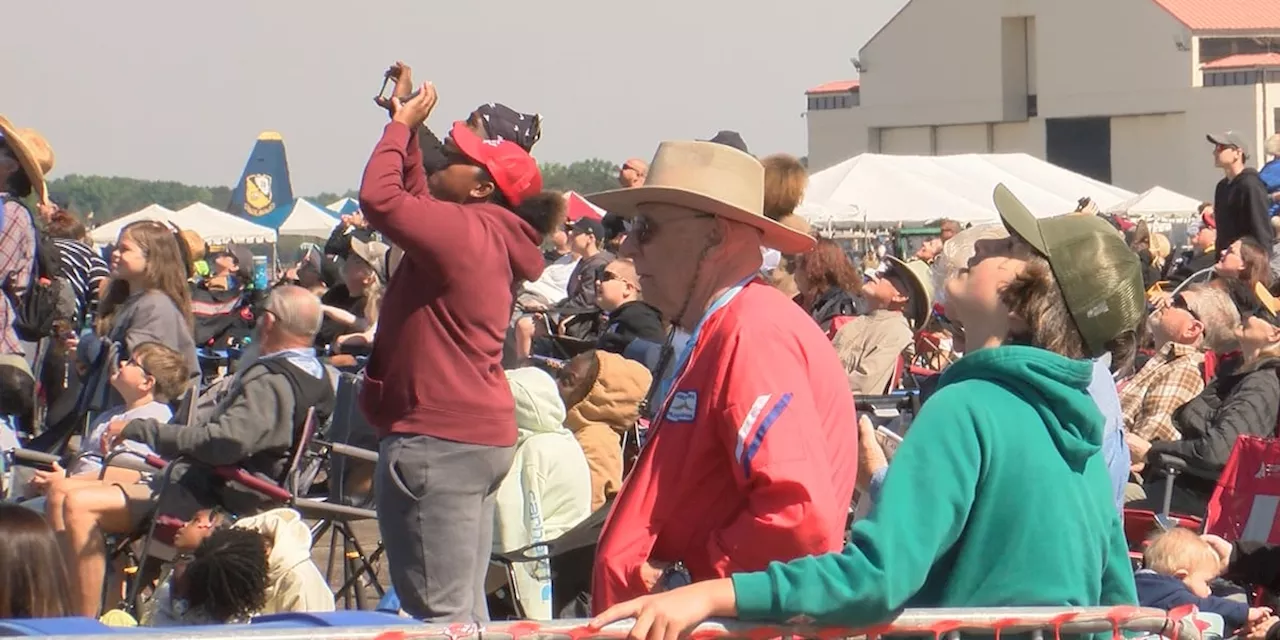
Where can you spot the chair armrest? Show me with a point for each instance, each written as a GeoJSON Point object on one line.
{"type": "Point", "coordinates": [348, 451]}
{"type": "Point", "coordinates": [28, 458]}
{"type": "Point", "coordinates": [248, 480]}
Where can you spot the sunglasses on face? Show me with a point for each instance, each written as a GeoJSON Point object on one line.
{"type": "Point", "coordinates": [644, 229]}
{"type": "Point", "coordinates": [605, 276]}
{"type": "Point", "coordinates": [1180, 302]}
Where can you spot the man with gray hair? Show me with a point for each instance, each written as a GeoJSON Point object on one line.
{"type": "Point", "coordinates": [254, 423]}
{"type": "Point", "coordinates": [1196, 320]}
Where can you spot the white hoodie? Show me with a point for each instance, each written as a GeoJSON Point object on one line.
{"type": "Point", "coordinates": [548, 490]}
{"type": "Point", "coordinates": [294, 583]}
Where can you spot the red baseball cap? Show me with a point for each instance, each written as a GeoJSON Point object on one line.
{"type": "Point", "coordinates": [514, 171]}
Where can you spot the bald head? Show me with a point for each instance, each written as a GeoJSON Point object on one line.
{"type": "Point", "coordinates": [633, 173]}
{"type": "Point", "coordinates": [297, 314]}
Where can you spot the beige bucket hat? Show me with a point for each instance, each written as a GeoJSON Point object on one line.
{"type": "Point", "coordinates": [34, 155]}
{"type": "Point", "coordinates": [710, 178]}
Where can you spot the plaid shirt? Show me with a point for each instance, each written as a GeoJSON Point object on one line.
{"type": "Point", "coordinates": [1170, 379]}
{"type": "Point", "coordinates": [17, 258]}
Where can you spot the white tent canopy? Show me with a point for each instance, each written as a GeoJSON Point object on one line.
{"type": "Point", "coordinates": [1157, 202]}
{"type": "Point", "coordinates": [107, 233]}
{"type": "Point", "coordinates": [884, 189]}
{"type": "Point", "coordinates": [308, 220]}
{"type": "Point", "coordinates": [219, 227]}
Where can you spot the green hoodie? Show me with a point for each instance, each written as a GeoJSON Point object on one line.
{"type": "Point", "coordinates": [998, 497]}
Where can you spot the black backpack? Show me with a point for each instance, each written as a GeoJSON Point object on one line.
{"type": "Point", "coordinates": [35, 309]}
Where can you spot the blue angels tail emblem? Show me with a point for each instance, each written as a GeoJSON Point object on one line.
{"type": "Point", "coordinates": [264, 193]}
{"type": "Point", "coordinates": [257, 194]}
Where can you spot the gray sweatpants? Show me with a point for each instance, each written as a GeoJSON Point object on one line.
{"type": "Point", "coordinates": [435, 512]}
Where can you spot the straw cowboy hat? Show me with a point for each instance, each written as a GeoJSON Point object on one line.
{"type": "Point", "coordinates": [710, 178]}
{"type": "Point", "coordinates": [33, 152]}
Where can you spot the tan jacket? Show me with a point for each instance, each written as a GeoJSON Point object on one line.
{"type": "Point", "coordinates": [869, 347]}
{"type": "Point", "coordinates": [598, 422]}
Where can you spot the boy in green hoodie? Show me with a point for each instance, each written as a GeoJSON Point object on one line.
{"type": "Point", "coordinates": [1001, 496]}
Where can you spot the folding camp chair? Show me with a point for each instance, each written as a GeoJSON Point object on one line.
{"type": "Point", "coordinates": [295, 479]}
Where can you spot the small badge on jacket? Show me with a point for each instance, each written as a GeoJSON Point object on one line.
{"type": "Point", "coordinates": [683, 407]}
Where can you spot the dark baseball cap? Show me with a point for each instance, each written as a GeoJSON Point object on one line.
{"type": "Point", "coordinates": [514, 171]}
{"type": "Point", "coordinates": [588, 225]}
{"type": "Point", "coordinates": [1229, 139]}
{"type": "Point", "coordinates": [1099, 276]}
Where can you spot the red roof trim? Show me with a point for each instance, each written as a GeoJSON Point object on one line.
{"type": "Point", "coordinates": [1244, 61]}
{"type": "Point", "coordinates": [1224, 15]}
{"type": "Point", "coordinates": [839, 86]}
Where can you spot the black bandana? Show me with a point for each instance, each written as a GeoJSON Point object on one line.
{"type": "Point", "coordinates": [504, 123]}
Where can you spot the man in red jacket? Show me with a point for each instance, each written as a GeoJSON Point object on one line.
{"type": "Point", "coordinates": [434, 388]}
{"type": "Point", "coordinates": [751, 452]}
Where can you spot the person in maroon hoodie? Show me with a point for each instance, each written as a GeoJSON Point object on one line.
{"type": "Point", "coordinates": [434, 388]}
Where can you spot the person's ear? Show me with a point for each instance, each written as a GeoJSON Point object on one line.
{"type": "Point", "coordinates": [1181, 574]}
{"type": "Point", "coordinates": [1273, 333]}
{"type": "Point", "coordinates": [1193, 331]}
{"type": "Point", "coordinates": [482, 190]}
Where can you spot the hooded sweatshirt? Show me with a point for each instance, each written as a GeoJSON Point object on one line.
{"type": "Point", "coordinates": [294, 583]}
{"type": "Point", "coordinates": [548, 490]}
{"type": "Point", "coordinates": [609, 410]}
{"type": "Point", "coordinates": [1025, 517]}
{"type": "Point", "coordinates": [1242, 208]}
{"type": "Point", "coordinates": [436, 367]}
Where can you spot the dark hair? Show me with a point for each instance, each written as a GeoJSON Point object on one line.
{"type": "Point", "coordinates": [18, 397]}
{"type": "Point", "coordinates": [1203, 205]}
{"type": "Point", "coordinates": [19, 184]}
{"type": "Point", "coordinates": [578, 377]}
{"type": "Point", "coordinates": [826, 267]}
{"type": "Point", "coordinates": [545, 212]}
{"type": "Point", "coordinates": [227, 576]}
{"type": "Point", "coordinates": [34, 582]}
{"type": "Point", "coordinates": [64, 224]}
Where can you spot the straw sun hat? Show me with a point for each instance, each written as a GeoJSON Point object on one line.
{"type": "Point", "coordinates": [710, 178]}
{"type": "Point", "coordinates": [33, 152]}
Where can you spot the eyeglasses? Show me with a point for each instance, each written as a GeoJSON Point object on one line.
{"type": "Point", "coordinates": [643, 229]}
{"type": "Point", "coordinates": [605, 276]}
{"type": "Point", "coordinates": [134, 363]}
{"type": "Point", "coordinates": [1180, 302]}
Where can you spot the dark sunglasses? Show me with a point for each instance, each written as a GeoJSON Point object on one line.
{"type": "Point", "coordinates": [605, 276]}
{"type": "Point", "coordinates": [643, 229]}
{"type": "Point", "coordinates": [1180, 302]}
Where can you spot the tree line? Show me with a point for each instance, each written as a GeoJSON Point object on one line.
{"type": "Point", "coordinates": [109, 197]}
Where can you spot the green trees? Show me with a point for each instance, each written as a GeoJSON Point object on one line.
{"type": "Point", "coordinates": [109, 197]}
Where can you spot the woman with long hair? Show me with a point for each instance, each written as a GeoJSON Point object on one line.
{"type": "Point", "coordinates": [147, 300]}
{"type": "Point", "coordinates": [34, 582]}
{"type": "Point", "coordinates": [827, 281]}
{"type": "Point", "coordinates": [1245, 260]}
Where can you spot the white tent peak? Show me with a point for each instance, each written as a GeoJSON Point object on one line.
{"type": "Point", "coordinates": [307, 219]}
{"type": "Point", "coordinates": [1157, 202]}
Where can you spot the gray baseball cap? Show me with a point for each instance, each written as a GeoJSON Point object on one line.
{"type": "Point", "coordinates": [1229, 139]}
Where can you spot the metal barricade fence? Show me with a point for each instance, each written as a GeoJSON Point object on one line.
{"type": "Point", "coordinates": [1041, 623]}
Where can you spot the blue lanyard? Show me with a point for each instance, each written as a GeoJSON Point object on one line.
{"type": "Point", "coordinates": [669, 377]}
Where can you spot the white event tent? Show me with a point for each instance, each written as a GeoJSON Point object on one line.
{"type": "Point", "coordinates": [1157, 202]}
{"type": "Point", "coordinates": [220, 227]}
{"type": "Point", "coordinates": [880, 189]}
{"type": "Point", "coordinates": [216, 227]}
{"type": "Point", "coordinates": [106, 234]}
{"type": "Point", "coordinates": [305, 219]}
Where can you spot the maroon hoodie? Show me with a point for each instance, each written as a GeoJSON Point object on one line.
{"type": "Point", "coordinates": [436, 367]}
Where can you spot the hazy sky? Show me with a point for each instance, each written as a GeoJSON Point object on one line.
{"type": "Point", "coordinates": [171, 90]}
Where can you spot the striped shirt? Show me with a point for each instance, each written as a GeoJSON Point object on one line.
{"type": "Point", "coordinates": [85, 269]}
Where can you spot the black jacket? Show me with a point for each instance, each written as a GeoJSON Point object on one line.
{"type": "Point", "coordinates": [1166, 592]}
{"type": "Point", "coordinates": [830, 304]}
{"type": "Point", "coordinates": [1242, 208]}
{"type": "Point", "coordinates": [1242, 401]}
{"type": "Point", "coordinates": [632, 320]}
{"type": "Point", "coordinates": [1190, 263]}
